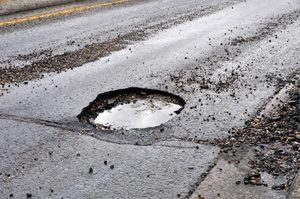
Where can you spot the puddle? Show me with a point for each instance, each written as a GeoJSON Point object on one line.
{"type": "Point", "coordinates": [132, 108]}
{"type": "Point", "coordinates": [140, 114]}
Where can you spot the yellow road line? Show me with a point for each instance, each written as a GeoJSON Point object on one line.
{"type": "Point", "coordinates": [60, 12]}
{"type": "Point", "coordinates": [3, 1]}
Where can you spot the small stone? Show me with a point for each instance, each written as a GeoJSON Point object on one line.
{"type": "Point", "coordinates": [253, 178]}
{"type": "Point", "coordinates": [200, 197]}
{"type": "Point", "coordinates": [254, 174]}
{"type": "Point", "coordinates": [279, 187]}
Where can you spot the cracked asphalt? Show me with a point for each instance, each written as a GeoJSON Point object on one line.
{"type": "Point", "coordinates": [226, 58]}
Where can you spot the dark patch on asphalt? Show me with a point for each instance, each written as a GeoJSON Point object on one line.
{"type": "Point", "coordinates": [68, 60]}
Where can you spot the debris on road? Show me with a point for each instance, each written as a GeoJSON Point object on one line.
{"type": "Point", "coordinates": [273, 139]}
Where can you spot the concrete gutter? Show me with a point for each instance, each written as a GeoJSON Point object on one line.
{"type": "Point", "coordinates": [295, 190]}
{"type": "Point", "coordinates": [13, 6]}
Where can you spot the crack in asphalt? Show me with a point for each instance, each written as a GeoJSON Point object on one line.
{"type": "Point", "coordinates": [36, 121]}
{"type": "Point", "coordinates": [201, 178]}
{"type": "Point", "coordinates": [89, 131]}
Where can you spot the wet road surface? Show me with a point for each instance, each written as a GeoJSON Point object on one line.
{"type": "Point", "coordinates": [226, 59]}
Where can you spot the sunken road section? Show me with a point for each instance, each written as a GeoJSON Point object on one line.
{"type": "Point", "coordinates": [108, 100]}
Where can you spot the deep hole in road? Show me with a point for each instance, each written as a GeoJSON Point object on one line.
{"type": "Point", "coordinates": [131, 108]}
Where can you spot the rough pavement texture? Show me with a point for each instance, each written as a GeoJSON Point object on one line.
{"type": "Point", "coordinates": [226, 65]}
{"type": "Point", "coordinates": [48, 162]}
{"type": "Point", "coordinates": [295, 191]}
{"type": "Point", "coordinates": [76, 41]}
{"type": "Point", "coordinates": [264, 155]}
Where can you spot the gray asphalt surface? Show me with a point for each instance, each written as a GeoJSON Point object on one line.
{"type": "Point", "coordinates": [97, 26]}
{"type": "Point", "coordinates": [226, 62]}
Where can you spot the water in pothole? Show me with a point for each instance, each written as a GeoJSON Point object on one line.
{"type": "Point", "coordinates": [138, 114]}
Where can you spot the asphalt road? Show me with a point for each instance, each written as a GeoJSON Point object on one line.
{"type": "Point", "coordinates": [98, 26]}
{"type": "Point", "coordinates": [224, 58]}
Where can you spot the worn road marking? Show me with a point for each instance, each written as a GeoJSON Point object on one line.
{"type": "Point", "coordinates": [60, 12]}
{"type": "Point", "coordinates": [4, 1]}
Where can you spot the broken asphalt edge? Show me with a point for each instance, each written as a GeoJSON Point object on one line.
{"type": "Point", "coordinates": [294, 192]}
{"type": "Point", "coordinates": [280, 97]}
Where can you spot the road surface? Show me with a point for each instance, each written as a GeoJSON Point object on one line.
{"type": "Point", "coordinates": [225, 58]}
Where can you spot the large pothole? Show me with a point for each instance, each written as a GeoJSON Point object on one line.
{"type": "Point", "coordinates": [132, 108]}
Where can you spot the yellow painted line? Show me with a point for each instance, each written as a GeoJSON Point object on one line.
{"type": "Point", "coordinates": [60, 12]}
{"type": "Point", "coordinates": [4, 1]}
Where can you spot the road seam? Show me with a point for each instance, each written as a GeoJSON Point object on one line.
{"type": "Point", "coordinates": [83, 131]}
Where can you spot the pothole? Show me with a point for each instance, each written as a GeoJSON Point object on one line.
{"type": "Point", "coordinates": [132, 108]}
